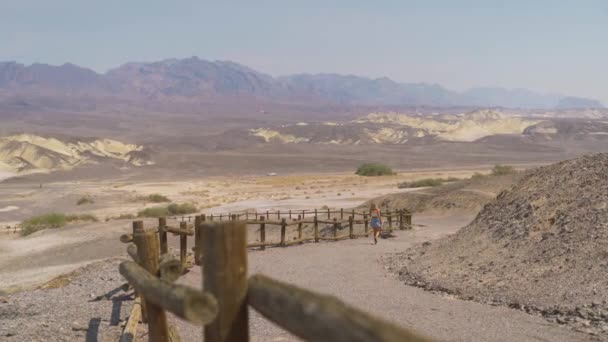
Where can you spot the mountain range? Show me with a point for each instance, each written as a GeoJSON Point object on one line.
{"type": "Point", "coordinates": [198, 80]}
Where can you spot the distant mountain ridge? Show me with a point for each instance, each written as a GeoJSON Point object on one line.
{"type": "Point", "coordinates": [195, 79]}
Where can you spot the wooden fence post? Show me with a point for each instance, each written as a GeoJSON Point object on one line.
{"type": "Point", "coordinates": [389, 217]}
{"type": "Point", "coordinates": [234, 217]}
{"type": "Point", "coordinates": [183, 244]}
{"type": "Point", "coordinates": [365, 222]}
{"type": "Point", "coordinates": [226, 279]}
{"type": "Point", "coordinates": [341, 213]}
{"type": "Point", "coordinates": [283, 227]}
{"type": "Point", "coordinates": [148, 253]}
{"type": "Point", "coordinates": [335, 227]}
{"type": "Point", "coordinates": [162, 235]}
{"type": "Point", "coordinates": [299, 227]}
{"type": "Point", "coordinates": [350, 227]}
{"type": "Point", "coordinates": [138, 228]}
{"type": "Point", "coordinates": [198, 222]}
{"type": "Point", "coordinates": [290, 214]}
{"type": "Point", "coordinates": [328, 214]}
{"type": "Point", "coordinates": [316, 227]}
{"type": "Point", "coordinates": [401, 223]}
{"type": "Point", "coordinates": [262, 232]}
{"type": "Point", "coordinates": [278, 214]}
{"type": "Point", "coordinates": [303, 214]}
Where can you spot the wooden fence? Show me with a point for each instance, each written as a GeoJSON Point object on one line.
{"type": "Point", "coordinates": [399, 219]}
{"type": "Point", "coordinates": [12, 229]}
{"type": "Point", "coordinates": [221, 307]}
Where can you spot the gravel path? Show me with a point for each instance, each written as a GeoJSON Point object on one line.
{"type": "Point", "coordinates": [353, 271]}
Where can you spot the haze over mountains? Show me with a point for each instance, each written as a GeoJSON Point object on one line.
{"type": "Point", "coordinates": [198, 80]}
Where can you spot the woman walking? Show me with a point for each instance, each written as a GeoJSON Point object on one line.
{"type": "Point", "coordinates": [376, 221]}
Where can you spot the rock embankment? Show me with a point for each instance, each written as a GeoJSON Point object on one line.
{"type": "Point", "coordinates": [541, 246]}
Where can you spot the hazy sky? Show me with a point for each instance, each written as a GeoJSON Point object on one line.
{"type": "Point", "coordinates": [551, 46]}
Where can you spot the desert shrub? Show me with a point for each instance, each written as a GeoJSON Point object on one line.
{"type": "Point", "coordinates": [85, 200]}
{"type": "Point", "coordinates": [125, 216]}
{"type": "Point", "coordinates": [171, 209]}
{"type": "Point", "coordinates": [36, 223]}
{"type": "Point", "coordinates": [155, 198]}
{"type": "Point", "coordinates": [153, 212]}
{"type": "Point", "coordinates": [180, 209]}
{"type": "Point", "coordinates": [51, 220]}
{"type": "Point", "coordinates": [422, 183]}
{"type": "Point", "coordinates": [374, 169]}
{"type": "Point", "coordinates": [501, 170]}
{"type": "Point", "coordinates": [478, 175]}
{"type": "Point", "coordinates": [81, 217]}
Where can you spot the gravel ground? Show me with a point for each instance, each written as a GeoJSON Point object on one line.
{"type": "Point", "coordinates": [352, 270]}
{"type": "Point", "coordinates": [72, 312]}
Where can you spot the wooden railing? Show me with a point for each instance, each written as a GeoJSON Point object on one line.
{"type": "Point", "coordinates": [12, 229]}
{"type": "Point", "coordinates": [289, 214]}
{"type": "Point", "coordinates": [357, 227]}
{"type": "Point", "coordinates": [222, 304]}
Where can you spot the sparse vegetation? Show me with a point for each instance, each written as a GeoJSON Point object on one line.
{"type": "Point", "coordinates": [51, 220]}
{"type": "Point", "coordinates": [153, 212]}
{"type": "Point", "coordinates": [501, 170]}
{"type": "Point", "coordinates": [426, 182]}
{"type": "Point", "coordinates": [180, 209]}
{"type": "Point", "coordinates": [154, 198]}
{"type": "Point", "coordinates": [81, 217]}
{"type": "Point", "coordinates": [85, 200]}
{"type": "Point", "coordinates": [374, 169]}
{"type": "Point", "coordinates": [171, 209]}
{"type": "Point", "coordinates": [478, 175]}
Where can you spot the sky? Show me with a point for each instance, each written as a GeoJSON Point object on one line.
{"type": "Point", "coordinates": [548, 46]}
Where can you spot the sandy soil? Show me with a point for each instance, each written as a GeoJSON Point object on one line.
{"type": "Point", "coordinates": [211, 194]}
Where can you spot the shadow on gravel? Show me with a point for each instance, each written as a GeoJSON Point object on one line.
{"type": "Point", "coordinates": [115, 316]}
{"type": "Point", "coordinates": [93, 330]}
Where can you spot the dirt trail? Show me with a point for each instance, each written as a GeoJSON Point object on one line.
{"type": "Point", "coordinates": [353, 270]}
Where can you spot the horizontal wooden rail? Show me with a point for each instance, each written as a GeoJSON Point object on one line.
{"type": "Point", "coordinates": [288, 213]}
{"type": "Point", "coordinates": [179, 231]}
{"type": "Point", "coordinates": [185, 302]}
{"type": "Point", "coordinates": [317, 317]}
{"type": "Point", "coordinates": [129, 333]}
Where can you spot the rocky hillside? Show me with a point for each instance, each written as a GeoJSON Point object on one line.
{"type": "Point", "coordinates": [28, 152]}
{"type": "Point", "coordinates": [541, 246]}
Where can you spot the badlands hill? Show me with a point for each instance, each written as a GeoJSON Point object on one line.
{"type": "Point", "coordinates": [33, 153]}
{"type": "Point", "coordinates": [395, 128]}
